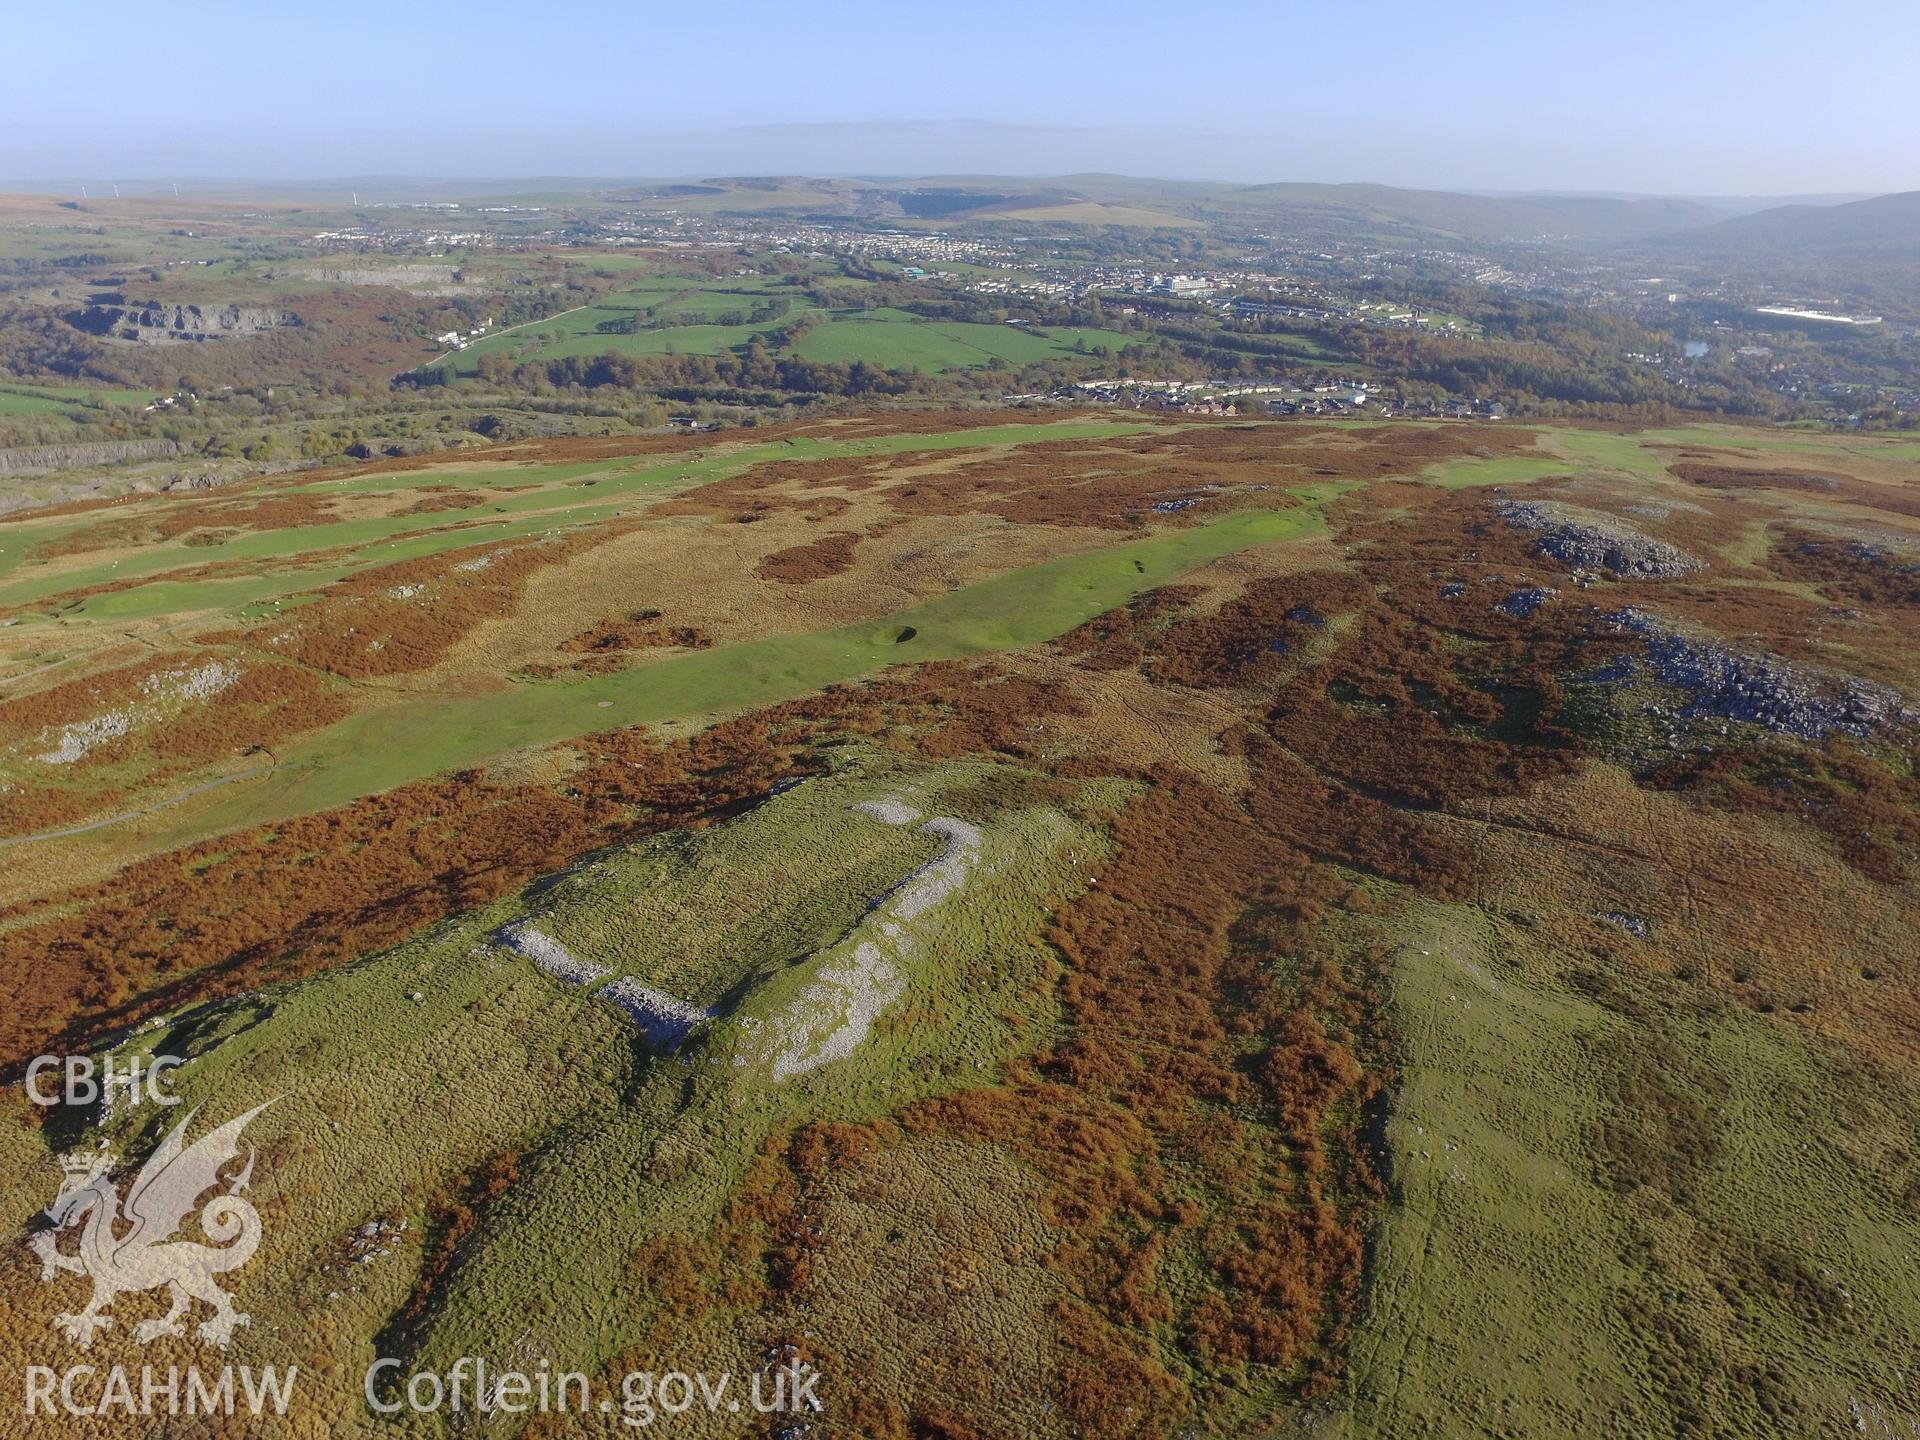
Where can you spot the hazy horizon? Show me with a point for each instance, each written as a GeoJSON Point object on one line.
{"type": "Point", "coordinates": [497, 185]}
{"type": "Point", "coordinates": [1717, 101]}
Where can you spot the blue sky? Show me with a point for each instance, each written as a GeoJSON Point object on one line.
{"type": "Point", "coordinates": [1702, 98]}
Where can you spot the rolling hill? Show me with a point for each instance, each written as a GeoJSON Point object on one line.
{"type": "Point", "coordinates": [1478, 217]}
{"type": "Point", "coordinates": [1305, 208]}
{"type": "Point", "coordinates": [1882, 224]}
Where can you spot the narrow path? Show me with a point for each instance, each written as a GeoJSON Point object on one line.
{"type": "Point", "coordinates": [37, 670]}
{"type": "Point", "coordinates": [127, 815]}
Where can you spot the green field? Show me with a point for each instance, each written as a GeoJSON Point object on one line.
{"type": "Point", "coordinates": [1569, 452]}
{"type": "Point", "coordinates": [31, 400]}
{"type": "Point", "coordinates": [671, 310]}
{"type": "Point", "coordinates": [16, 403]}
{"type": "Point", "coordinates": [666, 304]}
{"type": "Point", "coordinates": [576, 333]}
{"type": "Point", "coordinates": [895, 339]}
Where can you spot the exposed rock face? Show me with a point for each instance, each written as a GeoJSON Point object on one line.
{"type": "Point", "coordinates": [1584, 541]}
{"type": "Point", "coordinates": [417, 277]}
{"type": "Point", "coordinates": [1895, 564]}
{"type": "Point", "coordinates": [31, 459]}
{"type": "Point", "coordinates": [154, 323]}
{"type": "Point", "coordinates": [1762, 689]}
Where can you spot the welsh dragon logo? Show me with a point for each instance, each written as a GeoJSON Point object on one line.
{"type": "Point", "coordinates": [129, 1245]}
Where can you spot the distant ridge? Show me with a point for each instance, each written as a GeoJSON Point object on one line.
{"type": "Point", "coordinates": [1718, 223]}
{"type": "Point", "coordinates": [1487, 217]}
{"type": "Point", "coordinates": [1864, 227]}
{"type": "Point", "coordinates": [1588, 219]}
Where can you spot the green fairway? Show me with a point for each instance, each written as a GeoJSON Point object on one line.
{"type": "Point", "coordinates": [1783, 440]}
{"type": "Point", "coordinates": [406, 740]}
{"type": "Point", "coordinates": [19, 538]}
{"type": "Point", "coordinates": [1607, 451]}
{"type": "Point", "coordinates": [1569, 451]}
{"type": "Point", "coordinates": [283, 545]}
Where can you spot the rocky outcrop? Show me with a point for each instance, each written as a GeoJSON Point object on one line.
{"type": "Point", "coordinates": [32, 459]}
{"type": "Point", "coordinates": [1523, 602]}
{"type": "Point", "coordinates": [1756, 688]}
{"type": "Point", "coordinates": [416, 277]}
{"type": "Point", "coordinates": [152, 322]}
{"type": "Point", "coordinates": [1584, 541]}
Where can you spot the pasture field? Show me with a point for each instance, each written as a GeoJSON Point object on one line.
{"type": "Point", "coordinates": [61, 399]}
{"type": "Point", "coordinates": [577, 332]}
{"type": "Point", "coordinates": [18, 402]}
{"type": "Point", "coordinates": [669, 313]}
